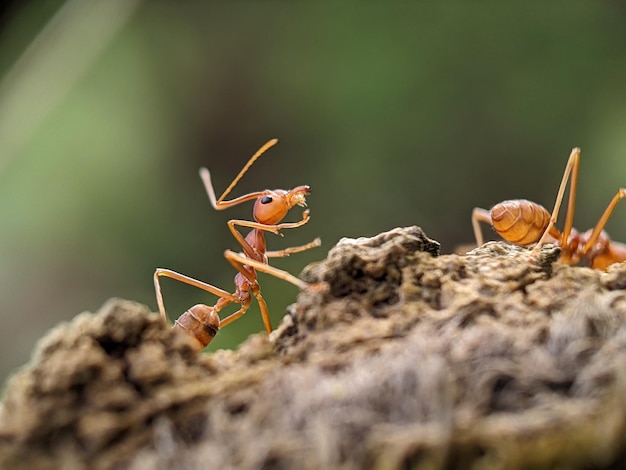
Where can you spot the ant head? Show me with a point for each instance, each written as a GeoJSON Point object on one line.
{"type": "Point", "coordinates": [272, 206]}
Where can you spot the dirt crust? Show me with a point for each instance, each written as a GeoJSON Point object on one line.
{"type": "Point", "coordinates": [405, 359]}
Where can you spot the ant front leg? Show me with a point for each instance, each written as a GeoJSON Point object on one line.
{"type": "Point", "coordinates": [286, 225]}
{"type": "Point", "coordinates": [275, 229]}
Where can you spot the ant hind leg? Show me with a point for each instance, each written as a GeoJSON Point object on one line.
{"type": "Point", "coordinates": [160, 272]}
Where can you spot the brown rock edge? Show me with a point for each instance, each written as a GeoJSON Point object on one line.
{"type": "Point", "coordinates": [406, 360]}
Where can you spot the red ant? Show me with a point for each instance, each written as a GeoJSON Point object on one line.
{"type": "Point", "coordinates": [201, 321]}
{"type": "Point", "coordinates": [525, 222]}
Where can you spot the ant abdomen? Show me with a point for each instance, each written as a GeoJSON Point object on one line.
{"type": "Point", "coordinates": [520, 221]}
{"type": "Point", "coordinates": [200, 322]}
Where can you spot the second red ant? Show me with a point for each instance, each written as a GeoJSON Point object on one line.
{"type": "Point", "coordinates": [525, 222]}
{"type": "Point", "coordinates": [202, 321]}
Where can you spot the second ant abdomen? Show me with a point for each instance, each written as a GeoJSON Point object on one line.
{"type": "Point", "coordinates": [200, 322]}
{"type": "Point", "coordinates": [520, 221]}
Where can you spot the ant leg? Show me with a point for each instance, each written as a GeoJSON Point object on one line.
{"type": "Point", "coordinates": [262, 305]}
{"type": "Point", "coordinates": [597, 230]}
{"type": "Point", "coordinates": [220, 204]}
{"type": "Point", "coordinates": [573, 163]}
{"type": "Point", "coordinates": [275, 229]}
{"type": "Point", "coordinates": [234, 316]}
{"type": "Point", "coordinates": [238, 261]}
{"type": "Point", "coordinates": [160, 272]}
{"type": "Point", "coordinates": [248, 250]}
{"type": "Point", "coordinates": [265, 314]}
{"type": "Point", "coordinates": [480, 215]}
{"type": "Point", "coordinates": [305, 218]}
{"type": "Point", "coordinates": [293, 249]}
{"type": "Point", "coordinates": [570, 168]}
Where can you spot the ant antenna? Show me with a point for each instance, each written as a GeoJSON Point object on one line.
{"type": "Point", "coordinates": [254, 158]}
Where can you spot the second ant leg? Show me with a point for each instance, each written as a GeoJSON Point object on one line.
{"type": "Point", "coordinates": [621, 193]}
{"type": "Point", "coordinates": [572, 164]}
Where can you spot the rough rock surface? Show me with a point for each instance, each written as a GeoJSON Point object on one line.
{"type": "Point", "coordinates": [406, 360]}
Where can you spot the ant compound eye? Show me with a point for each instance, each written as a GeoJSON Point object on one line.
{"type": "Point", "coordinates": [266, 199]}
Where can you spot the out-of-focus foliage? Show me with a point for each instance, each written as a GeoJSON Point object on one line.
{"type": "Point", "coordinates": [395, 114]}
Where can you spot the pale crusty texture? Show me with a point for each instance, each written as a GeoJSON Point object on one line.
{"type": "Point", "coordinates": [395, 358]}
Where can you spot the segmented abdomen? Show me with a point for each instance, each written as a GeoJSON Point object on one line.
{"type": "Point", "coordinates": [520, 221]}
{"type": "Point", "coordinates": [201, 323]}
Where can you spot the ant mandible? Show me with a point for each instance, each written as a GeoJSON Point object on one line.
{"type": "Point", "coordinates": [525, 222]}
{"type": "Point", "coordinates": [203, 322]}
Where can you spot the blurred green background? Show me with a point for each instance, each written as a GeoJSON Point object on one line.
{"type": "Point", "coordinates": [395, 114]}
